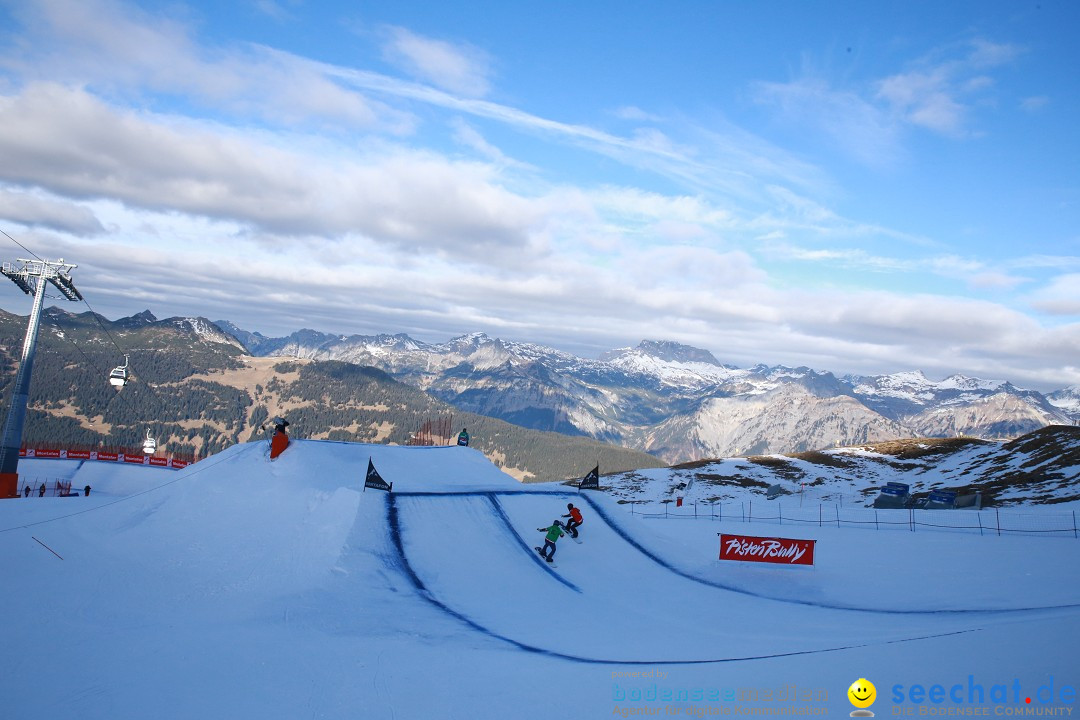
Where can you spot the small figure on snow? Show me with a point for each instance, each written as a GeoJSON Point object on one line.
{"type": "Point", "coordinates": [463, 437]}
{"type": "Point", "coordinates": [574, 521]}
{"type": "Point", "coordinates": [86, 491]}
{"type": "Point", "coordinates": [553, 534]}
{"type": "Point", "coordinates": [26, 491]}
{"type": "Point", "coordinates": [41, 490]}
{"type": "Point", "coordinates": [280, 441]}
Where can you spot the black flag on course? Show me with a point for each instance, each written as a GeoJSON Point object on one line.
{"type": "Point", "coordinates": [591, 481]}
{"type": "Point", "coordinates": [374, 479]}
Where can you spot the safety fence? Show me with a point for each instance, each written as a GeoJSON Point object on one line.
{"type": "Point", "coordinates": [49, 487]}
{"type": "Point", "coordinates": [994, 521]}
{"type": "Point", "coordinates": [130, 457]}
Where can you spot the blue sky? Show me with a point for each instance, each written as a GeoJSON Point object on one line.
{"type": "Point", "coordinates": [858, 187]}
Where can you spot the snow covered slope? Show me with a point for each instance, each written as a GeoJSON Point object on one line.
{"type": "Point", "coordinates": [242, 588]}
{"type": "Point", "coordinates": [1040, 468]}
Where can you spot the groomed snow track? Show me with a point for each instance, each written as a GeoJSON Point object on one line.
{"type": "Point", "coordinates": [471, 555]}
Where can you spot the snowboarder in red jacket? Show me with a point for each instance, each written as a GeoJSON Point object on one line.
{"type": "Point", "coordinates": [280, 440]}
{"type": "Point", "coordinates": [574, 521]}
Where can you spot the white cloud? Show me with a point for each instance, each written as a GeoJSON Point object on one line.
{"type": "Point", "coordinates": [866, 122]}
{"type": "Point", "coordinates": [924, 99]}
{"type": "Point", "coordinates": [635, 114]}
{"type": "Point", "coordinates": [724, 159]}
{"type": "Point", "coordinates": [843, 258]}
{"type": "Point", "coordinates": [985, 53]}
{"type": "Point", "coordinates": [465, 134]}
{"type": "Point", "coordinates": [1060, 297]}
{"type": "Point", "coordinates": [128, 52]}
{"type": "Point", "coordinates": [38, 209]}
{"type": "Point", "coordinates": [969, 272]}
{"type": "Point", "coordinates": [1056, 262]}
{"type": "Point", "coordinates": [996, 281]}
{"type": "Point", "coordinates": [850, 122]}
{"type": "Point", "coordinates": [1034, 103]}
{"type": "Point", "coordinates": [634, 207]}
{"type": "Point", "coordinates": [458, 68]}
{"type": "Point", "coordinates": [660, 143]}
{"type": "Point", "coordinates": [980, 82]}
{"type": "Point", "coordinates": [683, 272]}
{"type": "Point", "coordinates": [938, 94]}
{"type": "Point", "coordinates": [933, 324]}
{"type": "Point", "coordinates": [73, 144]}
{"type": "Point", "coordinates": [273, 9]}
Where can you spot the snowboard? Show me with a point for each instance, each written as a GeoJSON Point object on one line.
{"type": "Point", "coordinates": [540, 550]}
{"type": "Point", "coordinates": [576, 539]}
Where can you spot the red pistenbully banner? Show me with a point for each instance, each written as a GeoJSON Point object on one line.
{"type": "Point", "coordinates": [785, 551]}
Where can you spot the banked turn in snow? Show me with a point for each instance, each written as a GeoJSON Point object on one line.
{"type": "Point", "coordinates": [455, 538]}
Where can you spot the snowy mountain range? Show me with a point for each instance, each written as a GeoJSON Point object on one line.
{"type": "Point", "coordinates": [679, 402]}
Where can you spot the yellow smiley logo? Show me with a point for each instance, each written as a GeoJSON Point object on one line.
{"type": "Point", "coordinates": [862, 693]}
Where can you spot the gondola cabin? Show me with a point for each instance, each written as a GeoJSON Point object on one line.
{"type": "Point", "coordinates": [149, 444]}
{"type": "Point", "coordinates": [119, 375]}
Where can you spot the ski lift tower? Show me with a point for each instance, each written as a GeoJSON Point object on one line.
{"type": "Point", "coordinates": [32, 279]}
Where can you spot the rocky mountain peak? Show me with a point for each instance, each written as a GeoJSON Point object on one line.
{"type": "Point", "coordinates": [204, 330]}
{"type": "Point", "coordinates": [469, 341]}
{"type": "Point", "coordinates": [676, 352]}
{"type": "Point", "coordinates": [137, 320]}
{"type": "Point", "coordinates": [665, 351]}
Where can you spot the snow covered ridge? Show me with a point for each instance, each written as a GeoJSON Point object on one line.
{"type": "Point", "coordinates": [914, 384]}
{"type": "Point", "coordinates": [199, 328]}
{"type": "Point", "coordinates": [204, 330]}
{"type": "Point", "coordinates": [1067, 400]}
{"type": "Point", "coordinates": [686, 373]}
{"type": "Point", "coordinates": [1040, 468]}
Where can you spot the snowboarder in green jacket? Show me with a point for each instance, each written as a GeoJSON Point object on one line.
{"type": "Point", "coordinates": [553, 534]}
